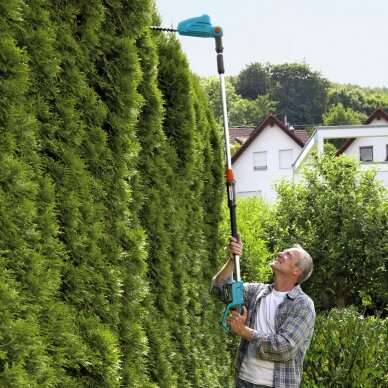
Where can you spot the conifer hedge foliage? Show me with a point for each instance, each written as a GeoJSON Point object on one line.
{"type": "Point", "coordinates": [110, 193]}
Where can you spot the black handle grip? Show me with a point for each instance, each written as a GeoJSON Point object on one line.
{"type": "Point", "coordinates": [220, 57]}
{"type": "Point", "coordinates": [231, 190]}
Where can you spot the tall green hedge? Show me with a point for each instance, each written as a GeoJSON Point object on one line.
{"type": "Point", "coordinates": [110, 193]}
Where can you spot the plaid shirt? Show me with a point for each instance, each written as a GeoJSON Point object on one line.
{"type": "Point", "coordinates": [294, 324]}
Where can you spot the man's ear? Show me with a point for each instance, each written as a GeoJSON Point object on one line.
{"type": "Point", "coordinates": [297, 271]}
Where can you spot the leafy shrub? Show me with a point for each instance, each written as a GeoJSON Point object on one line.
{"type": "Point", "coordinates": [251, 214]}
{"type": "Point", "coordinates": [347, 350]}
{"type": "Point", "coordinates": [339, 213]}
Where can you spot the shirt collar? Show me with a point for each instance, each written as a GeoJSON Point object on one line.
{"type": "Point", "coordinates": [294, 293]}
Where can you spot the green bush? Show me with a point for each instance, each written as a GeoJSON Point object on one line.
{"type": "Point", "coordinates": [338, 212]}
{"type": "Point", "coordinates": [347, 350]}
{"type": "Point", "coordinates": [251, 216]}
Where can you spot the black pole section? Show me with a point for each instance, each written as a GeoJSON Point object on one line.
{"type": "Point", "coordinates": [231, 190]}
{"type": "Point", "coordinates": [220, 57]}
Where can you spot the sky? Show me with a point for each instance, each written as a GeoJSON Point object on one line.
{"type": "Point", "coordinates": [345, 40]}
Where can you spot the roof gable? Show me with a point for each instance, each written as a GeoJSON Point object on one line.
{"type": "Point", "coordinates": [377, 114]}
{"type": "Point", "coordinates": [272, 121]}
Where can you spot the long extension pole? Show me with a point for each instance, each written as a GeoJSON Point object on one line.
{"type": "Point", "coordinates": [229, 175]}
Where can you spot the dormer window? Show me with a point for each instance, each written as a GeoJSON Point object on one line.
{"type": "Point", "coordinates": [260, 160]}
{"type": "Point", "coordinates": [366, 154]}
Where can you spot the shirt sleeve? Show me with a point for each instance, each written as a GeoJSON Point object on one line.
{"type": "Point", "coordinates": [295, 331]}
{"type": "Point", "coordinates": [217, 289]}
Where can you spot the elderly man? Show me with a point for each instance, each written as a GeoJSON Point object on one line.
{"type": "Point", "coordinates": [277, 323]}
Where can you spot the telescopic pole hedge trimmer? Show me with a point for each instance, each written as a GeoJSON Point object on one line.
{"type": "Point", "coordinates": [201, 27]}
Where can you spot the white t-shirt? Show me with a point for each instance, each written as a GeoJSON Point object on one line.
{"type": "Point", "coordinates": [253, 369]}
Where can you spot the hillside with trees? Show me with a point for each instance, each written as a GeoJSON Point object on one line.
{"type": "Point", "coordinates": [295, 91]}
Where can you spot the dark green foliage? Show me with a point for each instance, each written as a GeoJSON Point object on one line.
{"type": "Point", "coordinates": [155, 192]}
{"type": "Point", "coordinates": [182, 186]}
{"type": "Point", "coordinates": [347, 350]}
{"type": "Point", "coordinates": [253, 81]}
{"type": "Point", "coordinates": [110, 193]}
{"type": "Point", "coordinates": [28, 278]}
{"type": "Point", "coordinates": [301, 93]}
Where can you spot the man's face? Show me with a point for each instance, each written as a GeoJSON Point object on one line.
{"type": "Point", "coordinates": [286, 262]}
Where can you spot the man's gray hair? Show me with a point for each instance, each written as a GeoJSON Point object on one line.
{"type": "Point", "coordinates": [305, 264]}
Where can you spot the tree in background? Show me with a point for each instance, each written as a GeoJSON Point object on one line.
{"type": "Point", "coordinates": [362, 100]}
{"type": "Point", "coordinates": [300, 92]}
{"type": "Point", "coordinates": [258, 109]}
{"type": "Point", "coordinates": [253, 81]}
{"type": "Point", "coordinates": [212, 86]}
{"type": "Point", "coordinates": [291, 90]}
{"type": "Point", "coordinates": [339, 213]}
{"type": "Point", "coordinates": [339, 115]}
{"type": "Point", "coordinates": [241, 111]}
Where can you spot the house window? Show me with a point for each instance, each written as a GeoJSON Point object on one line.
{"type": "Point", "coordinates": [386, 153]}
{"type": "Point", "coordinates": [366, 154]}
{"type": "Point", "coordinates": [260, 160]}
{"type": "Point", "coordinates": [285, 158]}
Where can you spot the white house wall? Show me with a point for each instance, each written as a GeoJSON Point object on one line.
{"type": "Point", "coordinates": [379, 154]}
{"type": "Point", "coordinates": [380, 151]}
{"type": "Point", "coordinates": [250, 182]}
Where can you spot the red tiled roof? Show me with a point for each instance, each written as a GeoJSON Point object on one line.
{"type": "Point", "coordinates": [302, 134]}
{"type": "Point", "coordinates": [239, 134]}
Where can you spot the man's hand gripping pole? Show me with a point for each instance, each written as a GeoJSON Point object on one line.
{"type": "Point", "coordinates": [233, 291]}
